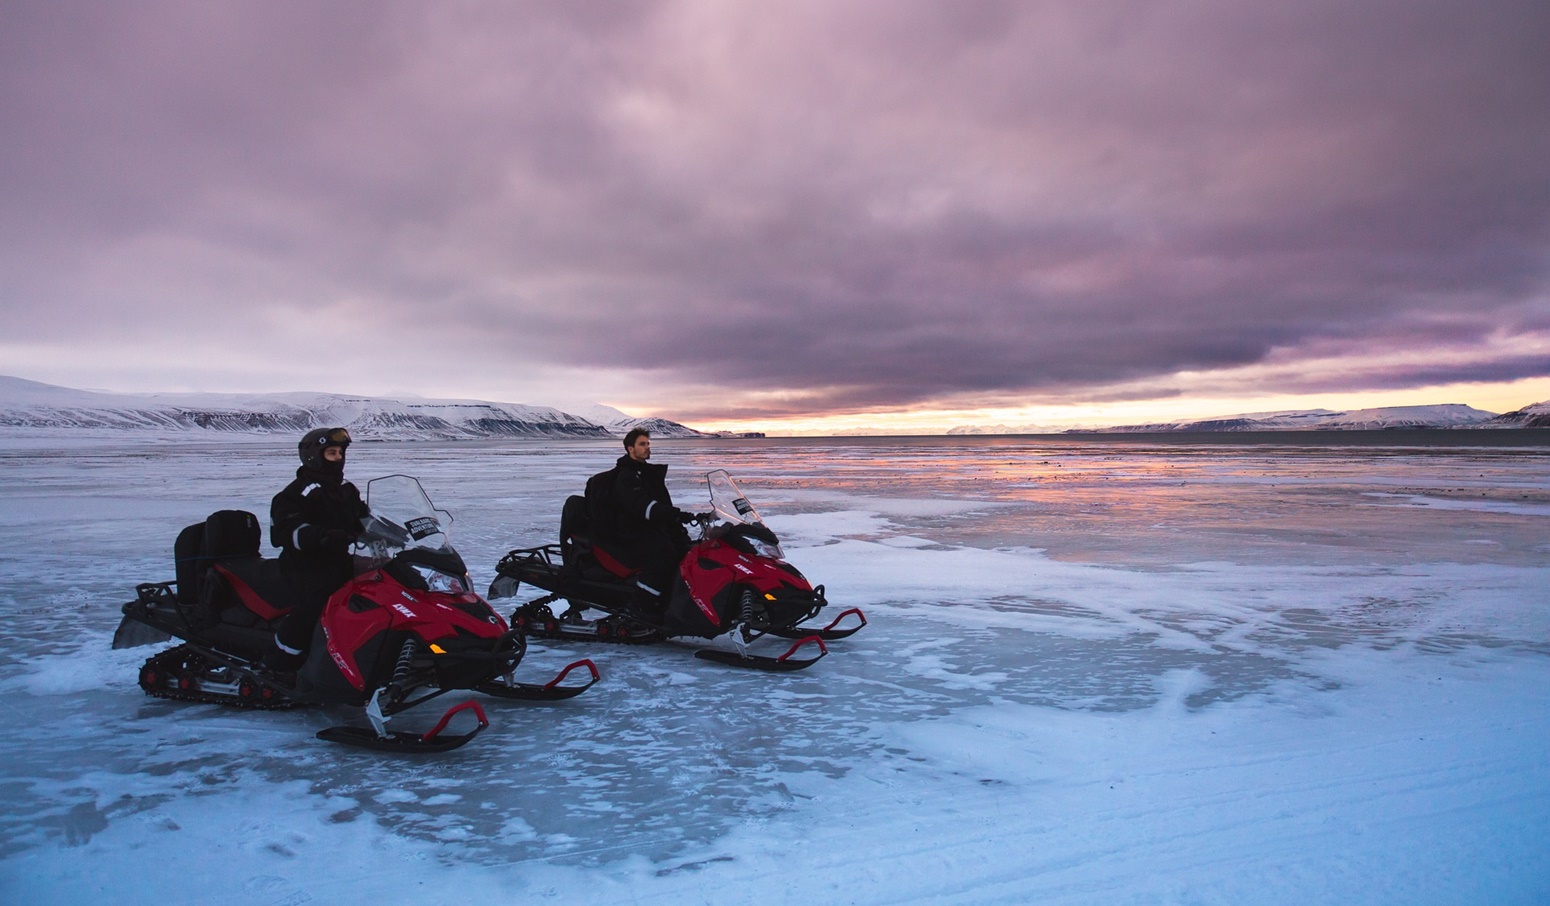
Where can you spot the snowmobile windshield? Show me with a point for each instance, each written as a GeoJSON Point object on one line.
{"type": "Point", "coordinates": [740, 525]}
{"type": "Point", "coordinates": [402, 517]}
{"type": "Point", "coordinates": [729, 501]}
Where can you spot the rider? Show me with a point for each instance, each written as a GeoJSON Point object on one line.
{"type": "Point", "coordinates": [638, 519]}
{"type": "Point", "coordinates": [313, 522]}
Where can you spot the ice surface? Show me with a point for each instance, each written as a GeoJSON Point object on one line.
{"type": "Point", "coordinates": [1093, 673]}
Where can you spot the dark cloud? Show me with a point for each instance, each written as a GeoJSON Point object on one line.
{"type": "Point", "coordinates": [789, 208]}
{"type": "Point", "coordinates": [1505, 368]}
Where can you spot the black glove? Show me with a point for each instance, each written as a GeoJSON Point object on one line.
{"type": "Point", "coordinates": [687, 518]}
{"type": "Point", "coordinates": [336, 538]}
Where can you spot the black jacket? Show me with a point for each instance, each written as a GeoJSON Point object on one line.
{"type": "Point", "coordinates": [639, 498]}
{"type": "Point", "coordinates": [302, 516]}
{"type": "Point", "coordinates": [629, 504]}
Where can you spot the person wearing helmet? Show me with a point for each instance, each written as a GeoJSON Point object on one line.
{"type": "Point", "coordinates": [313, 522]}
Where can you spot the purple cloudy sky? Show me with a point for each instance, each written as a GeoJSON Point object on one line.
{"type": "Point", "coordinates": [724, 211]}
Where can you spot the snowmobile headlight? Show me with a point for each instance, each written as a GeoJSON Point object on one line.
{"type": "Point", "coordinates": [767, 549]}
{"type": "Point", "coordinates": [436, 580]}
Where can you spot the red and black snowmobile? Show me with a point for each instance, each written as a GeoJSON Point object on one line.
{"type": "Point", "coordinates": [406, 629]}
{"type": "Point", "coordinates": [734, 582]}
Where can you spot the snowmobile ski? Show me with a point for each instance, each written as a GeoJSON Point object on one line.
{"type": "Point", "coordinates": [828, 633]}
{"type": "Point", "coordinates": [783, 664]}
{"type": "Point", "coordinates": [546, 692]}
{"type": "Point", "coordinates": [380, 739]}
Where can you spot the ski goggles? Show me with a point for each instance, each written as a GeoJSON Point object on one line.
{"type": "Point", "coordinates": [338, 437]}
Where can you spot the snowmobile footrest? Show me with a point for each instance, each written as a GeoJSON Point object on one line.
{"type": "Point", "coordinates": [409, 743]}
{"type": "Point", "coordinates": [548, 692]}
{"type": "Point", "coordinates": [828, 633]}
{"type": "Point", "coordinates": [782, 664]}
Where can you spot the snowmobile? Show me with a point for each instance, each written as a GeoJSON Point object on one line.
{"type": "Point", "coordinates": [406, 629]}
{"type": "Point", "coordinates": [734, 582]}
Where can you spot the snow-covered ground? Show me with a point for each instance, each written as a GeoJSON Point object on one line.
{"type": "Point", "coordinates": [1094, 673]}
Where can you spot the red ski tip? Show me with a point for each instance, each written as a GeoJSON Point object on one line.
{"type": "Point", "coordinates": [853, 610]}
{"type": "Point", "coordinates": [812, 639]}
{"type": "Point", "coordinates": [584, 662]}
{"type": "Point", "coordinates": [442, 724]}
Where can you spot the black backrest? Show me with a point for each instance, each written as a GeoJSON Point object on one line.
{"type": "Point", "coordinates": [575, 529]}
{"type": "Point", "coordinates": [225, 535]}
{"type": "Point", "coordinates": [600, 502]}
{"type": "Point", "coordinates": [231, 533]}
{"type": "Point", "coordinates": [187, 558]}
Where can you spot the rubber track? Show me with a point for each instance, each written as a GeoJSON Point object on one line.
{"type": "Point", "coordinates": [537, 617]}
{"type": "Point", "coordinates": [174, 663]}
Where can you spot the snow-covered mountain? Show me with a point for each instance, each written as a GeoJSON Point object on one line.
{"type": "Point", "coordinates": [31, 405]}
{"type": "Point", "coordinates": [1535, 416]}
{"type": "Point", "coordinates": [1447, 415]}
{"type": "Point", "coordinates": [969, 430]}
{"type": "Point", "coordinates": [619, 423]}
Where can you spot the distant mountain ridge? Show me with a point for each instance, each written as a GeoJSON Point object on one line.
{"type": "Point", "coordinates": [32, 405]}
{"type": "Point", "coordinates": [620, 424]}
{"type": "Point", "coordinates": [1443, 416]}
{"type": "Point", "coordinates": [1535, 416]}
{"type": "Point", "coordinates": [1447, 415]}
{"type": "Point", "coordinates": [35, 406]}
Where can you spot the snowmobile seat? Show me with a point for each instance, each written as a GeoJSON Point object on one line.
{"type": "Point", "coordinates": [607, 566]}
{"type": "Point", "coordinates": [247, 591]}
{"type": "Point", "coordinates": [580, 553]}
{"type": "Point", "coordinates": [223, 581]}
{"type": "Point", "coordinates": [241, 588]}
{"type": "Point", "coordinates": [225, 533]}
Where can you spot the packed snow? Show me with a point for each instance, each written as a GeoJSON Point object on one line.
{"type": "Point", "coordinates": [1093, 673]}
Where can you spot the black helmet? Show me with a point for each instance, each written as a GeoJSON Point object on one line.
{"type": "Point", "coordinates": [314, 442]}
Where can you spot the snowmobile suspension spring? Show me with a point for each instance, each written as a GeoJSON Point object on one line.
{"type": "Point", "coordinates": [405, 660]}
{"type": "Point", "coordinates": [747, 615]}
